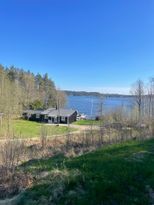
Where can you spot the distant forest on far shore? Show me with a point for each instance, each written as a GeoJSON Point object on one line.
{"type": "Point", "coordinates": [97, 94]}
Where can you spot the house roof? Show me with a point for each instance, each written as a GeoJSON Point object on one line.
{"type": "Point", "coordinates": [46, 112]}
{"type": "Point", "coordinates": [52, 112]}
{"type": "Point", "coordinates": [33, 112]}
{"type": "Point", "coordinates": [61, 112]}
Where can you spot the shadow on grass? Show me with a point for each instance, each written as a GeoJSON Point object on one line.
{"type": "Point", "coordinates": [35, 166]}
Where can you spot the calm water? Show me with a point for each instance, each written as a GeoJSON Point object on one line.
{"type": "Point", "coordinates": [93, 106]}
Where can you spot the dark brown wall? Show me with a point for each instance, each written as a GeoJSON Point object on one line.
{"type": "Point", "coordinates": [73, 117]}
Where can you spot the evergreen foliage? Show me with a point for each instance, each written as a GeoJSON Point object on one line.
{"type": "Point", "coordinates": [21, 89]}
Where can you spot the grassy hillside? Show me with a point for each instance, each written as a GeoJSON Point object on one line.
{"type": "Point", "coordinates": [88, 122]}
{"type": "Point", "coordinates": [117, 175]}
{"type": "Point", "coordinates": [29, 129]}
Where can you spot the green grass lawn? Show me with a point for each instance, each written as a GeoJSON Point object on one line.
{"type": "Point", "coordinates": [120, 174]}
{"type": "Point", "coordinates": [29, 129]}
{"type": "Point", "coordinates": [88, 122]}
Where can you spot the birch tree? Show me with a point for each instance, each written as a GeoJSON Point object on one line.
{"type": "Point", "coordinates": [138, 92]}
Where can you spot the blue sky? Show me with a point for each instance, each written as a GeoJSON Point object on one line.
{"type": "Point", "coordinates": [95, 45]}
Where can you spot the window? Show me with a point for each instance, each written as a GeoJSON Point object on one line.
{"type": "Point", "coordinates": [28, 115]}
{"type": "Point", "coordinates": [45, 117]}
{"type": "Point", "coordinates": [37, 116]}
{"type": "Point", "coordinates": [63, 119]}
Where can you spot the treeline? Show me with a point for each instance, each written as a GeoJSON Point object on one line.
{"type": "Point", "coordinates": [21, 89]}
{"type": "Point", "coordinates": [144, 100]}
{"type": "Point", "coordinates": [96, 94]}
{"type": "Point", "coordinates": [82, 93]}
{"type": "Point", "coordinates": [141, 111]}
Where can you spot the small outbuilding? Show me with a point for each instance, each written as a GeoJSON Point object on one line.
{"type": "Point", "coordinates": [33, 115]}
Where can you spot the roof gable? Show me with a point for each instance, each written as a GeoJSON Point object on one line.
{"type": "Point", "coordinates": [61, 112]}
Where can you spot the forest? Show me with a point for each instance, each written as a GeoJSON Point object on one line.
{"type": "Point", "coordinates": [96, 94]}
{"type": "Point", "coordinates": [20, 89]}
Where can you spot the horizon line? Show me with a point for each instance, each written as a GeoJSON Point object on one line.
{"type": "Point", "coordinates": [101, 93]}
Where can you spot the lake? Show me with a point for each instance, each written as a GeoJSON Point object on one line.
{"type": "Point", "coordinates": [92, 106]}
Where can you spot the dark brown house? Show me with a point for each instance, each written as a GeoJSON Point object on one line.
{"type": "Point", "coordinates": [51, 115]}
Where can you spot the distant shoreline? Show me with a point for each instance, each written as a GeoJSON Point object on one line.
{"type": "Point", "coordinates": [96, 94]}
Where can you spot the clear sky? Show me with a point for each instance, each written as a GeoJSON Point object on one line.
{"type": "Point", "coordinates": [95, 45]}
